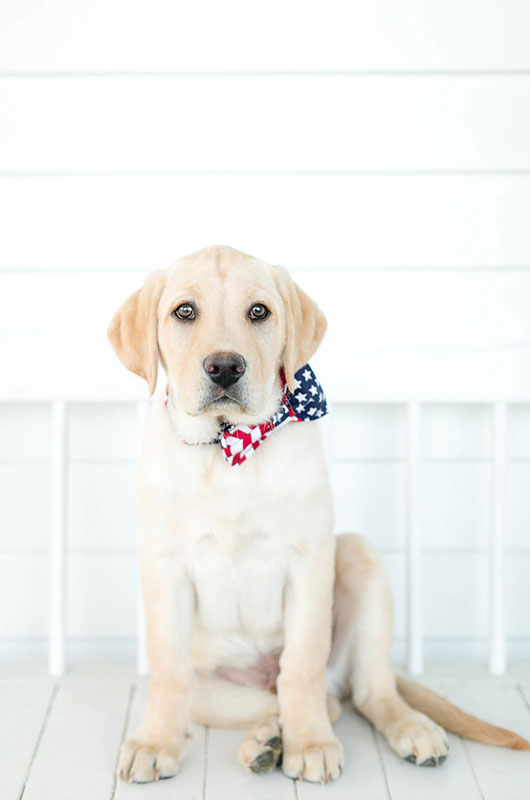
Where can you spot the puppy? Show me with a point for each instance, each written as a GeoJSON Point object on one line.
{"type": "Point", "coordinates": [256, 615]}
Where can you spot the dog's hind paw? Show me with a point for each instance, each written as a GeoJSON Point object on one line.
{"type": "Point", "coordinates": [418, 739]}
{"type": "Point", "coordinates": [261, 751]}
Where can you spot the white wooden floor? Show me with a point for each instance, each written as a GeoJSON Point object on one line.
{"type": "Point", "coordinates": [60, 739]}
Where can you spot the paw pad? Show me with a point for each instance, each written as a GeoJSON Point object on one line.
{"type": "Point", "coordinates": [268, 759]}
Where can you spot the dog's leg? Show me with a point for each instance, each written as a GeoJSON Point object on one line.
{"type": "Point", "coordinates": [155, 749]}
{"type": "Point", "coordinates": [311, 751]}
{"type": "Point", "coordinates": [361, 652]}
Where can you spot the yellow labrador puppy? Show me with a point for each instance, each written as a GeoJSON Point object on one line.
{"type": "Point", "coordinates": [243, 580]}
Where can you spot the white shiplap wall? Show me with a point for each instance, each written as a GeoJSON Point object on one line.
{"type": "Point", "coordinates": [382, 151]}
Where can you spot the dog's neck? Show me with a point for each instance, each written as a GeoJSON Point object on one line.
{"type": "Point", "coordinates": [192, 429]}
{"type": "Point", "coordinates": [203, 429]}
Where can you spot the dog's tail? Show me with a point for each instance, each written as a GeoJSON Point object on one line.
{"type": "Point", "coordinates": [455, 720]}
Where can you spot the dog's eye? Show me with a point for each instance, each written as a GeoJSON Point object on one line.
{"type": "Point", "coordinates": [259, 312]}
{"type": "Point", "coordinates": [185, 312]}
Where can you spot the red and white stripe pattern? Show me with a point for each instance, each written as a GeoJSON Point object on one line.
{"type": "Point", "coordinates": [240, 441]}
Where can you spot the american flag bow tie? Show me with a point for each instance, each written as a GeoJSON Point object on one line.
{"type": "Point", "coordinates": [308, 402]}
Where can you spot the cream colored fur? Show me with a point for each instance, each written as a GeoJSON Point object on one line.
{"type": "Point", "coordinates": [240, 563]}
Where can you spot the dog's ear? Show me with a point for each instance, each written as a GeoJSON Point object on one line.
{"type": "Point", "coordinates": [133, 330]}
{"type": "Point", "coordinates": [305, 325]}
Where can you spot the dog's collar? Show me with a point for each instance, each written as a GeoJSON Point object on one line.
{"type": "Point", "coordinates": [238, 442]}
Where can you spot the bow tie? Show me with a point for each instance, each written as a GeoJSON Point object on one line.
{"type": "Point", "coordinates": [308, 402]}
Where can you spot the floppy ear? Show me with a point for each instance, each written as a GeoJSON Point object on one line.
{"type": "Point", "coordinates": [305, 325]}
{"type": "Point", "coordinates": [133, 330]}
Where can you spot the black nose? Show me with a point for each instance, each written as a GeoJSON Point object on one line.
{"type": "Point", "coordinates": [225, 368]}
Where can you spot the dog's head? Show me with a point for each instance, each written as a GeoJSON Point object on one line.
{"type": "Point", "coordinates": [222, 324]}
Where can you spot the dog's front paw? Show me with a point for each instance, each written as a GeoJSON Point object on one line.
{"type": "Point", "coordinates": [141, 762]}
{"type": "Point", "coordinates": [418, 739]}
{"type": "Point", "coordinates": [319, 762]}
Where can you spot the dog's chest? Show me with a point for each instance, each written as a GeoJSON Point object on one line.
{"type": "Point", "coordinates": [238, 581]}
{"type": "Point", "coordinates": [236, 531]}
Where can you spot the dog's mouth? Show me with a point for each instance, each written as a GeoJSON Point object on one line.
{"type": "Point", "coordinates": [224, 398]}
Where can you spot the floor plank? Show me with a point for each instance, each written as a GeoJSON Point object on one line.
{"type": "Point", "coordinates": [502, 774]}
{"type": "Point", "coordinates": [363, 777]}
{"type": "Point", "coordinates": [65, 745]}
{"type": "Point", "coordinates": [23, 704]}
{"type": "Point", "coordinates": [77, 753]}
{"type": "Point", "coordinates": [188, 783]}
{"type": "Point", "coordinates": [524, 690]}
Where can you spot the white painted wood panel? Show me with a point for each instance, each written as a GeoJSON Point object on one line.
{"type": "Point", "coordinates": [25, 431]}
{"type": "Point", "coordinates": [102, 506]}
{"type": "Point", "coordinates": [457, 589]}
{"type": "Point", "coordinates": [77, 753]}
{"type": "Point", "coordinates": [370, 499]}
{"type": "Point", "coordinates": [24, 595]}
{"type": "Point", "coordinates": [58, 535]}
{"type": "Point", "coordinates": [24, 704]}
{"type": "Point", "coordinates": [447, 375]}
{"type": "Point", "coordinates": [455, 506]}
{"type": "Point", "coordinates": [102, 431]}
{"type": "Point", "coordinates": [497, 554]}
{"type": "Point", "coordinates": [93, 651]}
{"type": "Point", "coordinates": [414, 571]}
{"type": "Point", "coordinates": [367, 432]}
{"type": "Point", "coordinates": [283, 123]}
{"type": "Point", "coordinates": [467, 650]}
{"type": "Point", "coordinates": [206, 36]}
{"type": "Point", "coordinates": [450, 432]}
{"type": "Point", "coordinates": [457, 431]}
{"type": "Point", "coordinates": [142, 222]}
{"type": "Point", "coordinates": [101, 595]}
{"type": "Point", "coordinates": [425, 310]}
{"type": "Point", "coordinates": [518, 505]}
{"type": "Point", "coordinates": [518, 435]}
{"type": "Point", "coordinates": [517, 591]}
{"type": "Point", "coordinates": [25, 505]}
